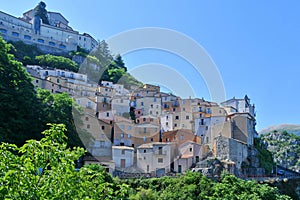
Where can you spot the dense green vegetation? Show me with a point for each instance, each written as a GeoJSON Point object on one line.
{"type": "Point", "coordinates": [45, 169]}
{"type": "Point", "coordinates": [31, 55]}
{"type": "Point", "coordinates": [285, 147]}
{"type": "Point", "coordinates": [58, 62]}
{"type": "Point", "coordinates": [194, 185]}
{"type": "Point", "coordinates": [25, 111]}
{"type": "Point", "coordinates": [265, 157]}
{"type": "Point", "coordinates": [24, 53]}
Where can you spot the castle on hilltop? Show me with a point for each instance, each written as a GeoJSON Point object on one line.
{"type": "Point", "coordinates": [50, 32]}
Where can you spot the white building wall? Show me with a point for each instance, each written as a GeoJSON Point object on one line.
{"type": "Point", "coordinates": [122, 152]}
{"type": "Point", "coordinates": [166, 122]}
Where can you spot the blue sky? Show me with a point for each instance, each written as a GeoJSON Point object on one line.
{"type": "Point", "coordinates": [254, 44]}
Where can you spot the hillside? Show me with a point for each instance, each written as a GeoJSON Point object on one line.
{"type": "Point", "coordinates": [291, 128]}
{"type": "Point", "coordinates": [285, 147]}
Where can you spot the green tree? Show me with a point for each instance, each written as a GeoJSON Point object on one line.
{"type": "Point", "coordinates": [40, 10]}
{"type": "Point", "coordinates": [59, 108]}
{"type": "Point", "coordinates": [24, 52]}
{"type": "Point", "coordinates": [196, 186]}
{"type": "Point", "coordinates": [19, 106]}
{"type": "Point", "coordinates": [58, 62]}
{"type": "Point", "coordinates": [45, 170]}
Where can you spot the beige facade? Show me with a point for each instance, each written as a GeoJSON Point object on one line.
{"type": "Point", "coordinates": [156, 157]}
{"type": "Point", "coordinates": [149, 105]}
{"type": "Point", "coordinates": [127, 133]}
{"type": "Point", "coordinates": [189, 153]}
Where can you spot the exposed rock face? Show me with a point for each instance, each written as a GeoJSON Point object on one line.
{"type": "Point", "coordinates": [285, 148]}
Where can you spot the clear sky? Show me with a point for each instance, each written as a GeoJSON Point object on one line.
{"type": "Point", "coordinates": [254, 44]}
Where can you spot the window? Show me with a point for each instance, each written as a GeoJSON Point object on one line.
{"type": "Point", "coordinates": [86, 119]}
{"type": "Point", "coordinates": [167, 123]}
{"type": "Point", "coordinates": [107, 114]}
{"type": "Point", "coordinates": [175, 125]}
{"type": "Point", "coordinates": [122, 126]}
{"type": "Point", "coordinates": [129, 128]}
{"type": "Point", "coordinates": [200, 109]}
{"type": "Point", "coordinates": [151, 119]}
{"type": "Point", "coordinates": [62, 46]}
{"type": "Point", "coordinates": [145, 130]}
{"type": "Point", "coordinates": [40, 40]}
{"type": "Point", "coordinates": [51, 43]}
{"type": "Point", "coordinates": [57, 80]}
{"type": "Point", "coordinates": [160, 160]}
{"type": "Point", "coordinates": [160, 150]}
{"type": "Point", "coordinates": [15, 34]}
{"type": "Point", "coordinates": [144, 138]}
{"type": "Point", "coordinates": [177, 117]}
{"type": "Point", "coordinates": [151, 105]}
{"type": "Point", "coordinates": [154, 100]}
{"type": "Point", "coordinates": [182, 137]}
{"type": "Point", "coordinates": [151, 139]}
{"type": "Point", "coordinates": [88, 126]}
{"type": "Point", "coordinates": [183, 109]}
{"type": "Point", "coordinates": [208, 110]}
{"type": "Point", "coordinates": [36, 81]}
{"type": "Point", "coordinates": [187, 117]}
{"type": "Point", "coordinates": [200, 115]}
{"type": "Point", "coordinates": [89, 104]}
{"type": "Point", "coordinates": [191, 149]}
{"type": "Point", "coordinates": [4, 31]}
{"type": "Point", "coordinates": [123, 151]}
{"type": "Point", "coordinates": [174, 109]}
{"type": "Point", "coordinates": [142, 103]}
{"type": "Point", "coordinates": [167, 117]}
{"type": "Point", "coordinates": [150, 112]}
{"type": "Point", "coordinates": [156, 106]}
{"type": "Point", "coordinates": [145, 151]}
{"type": "Point", "coordinates": [122, 135]}
{"type": "Point", "coordinates": [102, 127]}
{"type": "Point", "coordinates": [129, 136]}
{"type": "Point", "coordinates": [202, 122]}
{"type": "Point", "coordinates": [144, 119]}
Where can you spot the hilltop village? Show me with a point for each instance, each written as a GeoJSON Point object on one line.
{"type": "Point", "coordinates": [140, 129]}
{"type": "Point", "coordinates": [149, 131]}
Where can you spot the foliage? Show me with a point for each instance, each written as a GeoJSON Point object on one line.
{"type": "Point", "coordinates": [196, 186]}
{"type": "Point", "coordinates": [45, 170]}
{"type": "Point", "coordinates": [40, 10]}
{"type": "Point", "coordinates": [24, 53]}
{"type": "Point", "coordinates": [58, 108]}
{"type": "Point", "coordinates": [58, 62]}
{"type": "Point", "coordinates": [102, 53]}
{"type": "Point", "coordinates": [116, 73]}
{"type": "Point", "coordinates": [25, 112]}
{"type": "Point", "coordinates": [19, 105]}
{"type": "Point", "coordinates": [265, 157]}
